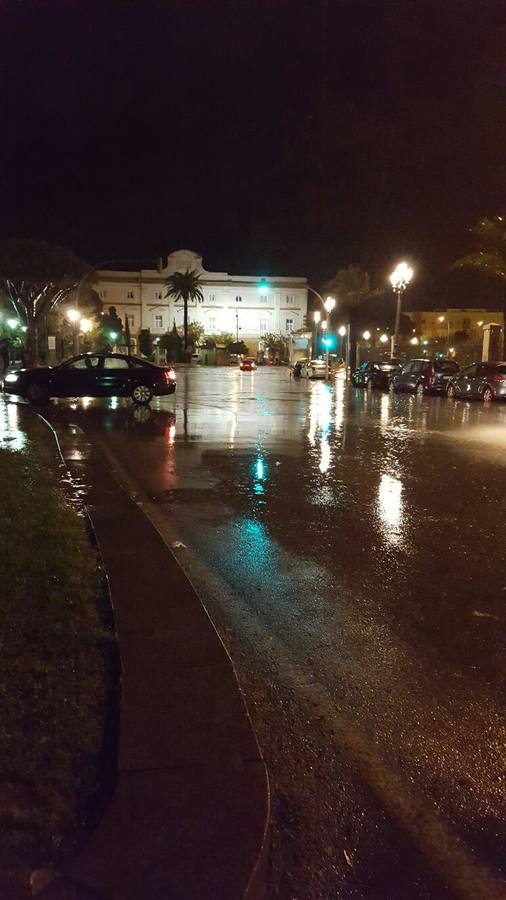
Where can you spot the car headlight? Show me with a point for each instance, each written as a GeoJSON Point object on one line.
{"type": "Point", "coordinates": [11, 377]}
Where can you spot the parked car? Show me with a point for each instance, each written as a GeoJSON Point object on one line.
{"type": "Point", "coordinates": [313, 368]}
{"type": "Point", "coordinates": [94, 375]}
{"type": "Point", "coordinates": [247, 365]}
{"type": "Point", "coordinates": [487, 381]}
{"type": "Point", "coordinates": [375, 374]}
{"type": "Point", "coordinates": [425, 376]}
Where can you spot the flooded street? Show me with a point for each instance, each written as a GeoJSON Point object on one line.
{"type": "Point", "coordinates": [349, 547]}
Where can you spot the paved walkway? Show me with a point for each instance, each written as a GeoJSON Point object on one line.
{"type": "Point", "coordinates": [189, 811]}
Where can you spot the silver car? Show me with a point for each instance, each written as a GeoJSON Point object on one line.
{"type": "Point", "coordinates": [486, 381]}
{"type": "Point", "coordinates": [313, 368]}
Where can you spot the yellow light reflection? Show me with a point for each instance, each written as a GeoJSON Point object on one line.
{"type": "Point", "coordinates": [390, 506]}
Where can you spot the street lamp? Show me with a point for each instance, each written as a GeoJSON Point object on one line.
{"type": "Point", "coordinates": [399, 279]}
{"type": "Point", "coordinates": [442, 319]}
{"type": "Point", "coordinates": [414, 341]}
{"type": "Point", "coordinates": [85, 326]}
{"type": "Point", "coordinates": [329, 304]}
{"type": "Point", "coordinates": [366, 335]}
{"type": "Point", "coordinates": [316, 319]}
{"type": "Point", "coordinates": [73, 315]}
{"type": "Point", "coordinates": [326, 342]}
{"type": "Point", "coordinates": [12, 323]}
{"type": "Point", "coordinates": [383, 338]}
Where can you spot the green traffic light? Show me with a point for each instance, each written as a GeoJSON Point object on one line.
{"type": "Point", "coordinates": [113, 335]}
{"type": "Point", "coordinates": [263, 288]}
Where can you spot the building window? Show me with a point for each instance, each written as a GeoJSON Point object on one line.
{"type": "Point", "coordinates": [263, 326]}
{"type": "Point", "coordinates": [212, 325]}
{"type": "Point", "coordinates": [130, 319]}
{"type": "Point", "coordinates": [264, 298]}
{"type": "Point", "coordinates": [290, 299]}
{"type": "Point", "coordinates": [103, 293]}
{"type": "Point", "coordinates": [130, 295]}
{"type": "Point", "coordinates": [466, 324]}
{"type": "Point", "coordinates": [238, 299]}
{"type": "Point", "coordinates": [159, 321]}
{"type": "Point", "coordinates": [289, 326]}
{"type": "Point", "coordinates": [157, 295]}
{"type": "Point", "coordinates": [211, 298]}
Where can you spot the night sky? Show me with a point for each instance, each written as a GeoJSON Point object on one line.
{"type": "Point", "coordinates": [272, 136]}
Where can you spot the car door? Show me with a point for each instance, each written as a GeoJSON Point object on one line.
{"type": "Point", "coordinates": [75, 378]}
{"type": "Point", "coordinates": [465, 380]}
{"type": "Point", "coordinates": [114, 376]}
{"type": "Point", "coordinates": [402, 379]}
{"type": "Point", "coordinates": [481, 378]}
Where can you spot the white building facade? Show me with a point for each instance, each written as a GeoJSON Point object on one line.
{"type": "Point", "coordinates": [246, 306]}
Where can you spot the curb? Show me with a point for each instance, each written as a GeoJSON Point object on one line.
{"type": "Point", "coordinates": [77, 880]}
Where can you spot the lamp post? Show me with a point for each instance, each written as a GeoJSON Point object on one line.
{"type": "Point", "coordinates": [73, 315]}
{"type": "Point", "coordinates": [316, 318]}
{"type": "Point", "coordinates": [399, 279]}
{"type": "Point", "coordinates": [325, 342]}
{"type": "Point", "coordinates": [442, 319]}
{"type": "Point", "coordinates": [85, 327]}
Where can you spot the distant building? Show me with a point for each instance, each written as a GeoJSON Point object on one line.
{"type": "Point", "coordinates": [437, 325]}
{"type": "Point", "coordinates": [244, 305]}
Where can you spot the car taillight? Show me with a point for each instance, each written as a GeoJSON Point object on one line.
{"type": "Point", "coordinates": [169, 374]}
{"type": "Point", "coordinates": [498, 377]}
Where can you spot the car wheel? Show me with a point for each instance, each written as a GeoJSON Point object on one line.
{"type": "Point", "coordinates": [451, 393]}
{"type": "Point", "coordinates": [141, 393]}
{"type": "Point", "coordinates": [420, 389]}
{"type": "Point", "coordinates": [488, 394]}
{"type": "Point", "coordinates": [36, 394]}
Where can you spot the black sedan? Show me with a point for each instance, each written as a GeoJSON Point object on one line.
{"type": "Point", "coordinates": [375, 374]}
{"type": "Point", "coordinates": [94, 375]}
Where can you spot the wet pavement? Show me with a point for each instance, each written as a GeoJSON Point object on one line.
{"type": "Point", "coordinates": [348, 546]}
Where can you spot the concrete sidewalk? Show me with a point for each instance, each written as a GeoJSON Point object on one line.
{"type": "Point", "coordinates": [189, 812]}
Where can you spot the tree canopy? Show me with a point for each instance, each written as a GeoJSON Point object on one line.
{"type": "Point", "coordinates": [35, 276]}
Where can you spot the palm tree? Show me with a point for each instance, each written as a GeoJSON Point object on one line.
{"type": "Point", "coordinates": [489, 255]}
{"type": "Point", "coordinates": [185, 286]}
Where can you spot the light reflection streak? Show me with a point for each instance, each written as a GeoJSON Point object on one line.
{"type": "Point", "coordinates": [11, 437]}
{"type": "Point", "coordinates": [390, 506]}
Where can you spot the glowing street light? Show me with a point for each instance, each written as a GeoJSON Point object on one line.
{"type": "Point", "coordinates": [85, 326]}
{"type": "Point", "coordinates": [316, 316]}
{"type": "Point", "coordinates": [414, 341]}
{"type": "Point", "coordinates": [366, 335]}
{"type": "Point", "coordinates": [384, 338]}
{"type": "Point", "coordinates": [325, 324]}
{"type": "Point", "coordinates": [73, 315]}
{"type": "Point", "coordinates": [399, 279]}
{"type": "Point", "coordinates": [329, 304]}
{"type": "Point", "coordinates": [342, 331]}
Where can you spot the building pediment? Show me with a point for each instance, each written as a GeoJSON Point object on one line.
{"type": "Point", "coordinates": [181, 260]}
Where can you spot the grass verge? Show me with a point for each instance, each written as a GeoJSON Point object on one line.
{"type": "Point", "coordinates": [54, 669]}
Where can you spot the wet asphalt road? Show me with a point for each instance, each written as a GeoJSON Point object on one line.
{"type": "Point", "coordinates": [349, 546]}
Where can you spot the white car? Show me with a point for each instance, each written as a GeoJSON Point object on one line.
{"type": "Point", "coordinates": [313, 368]}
